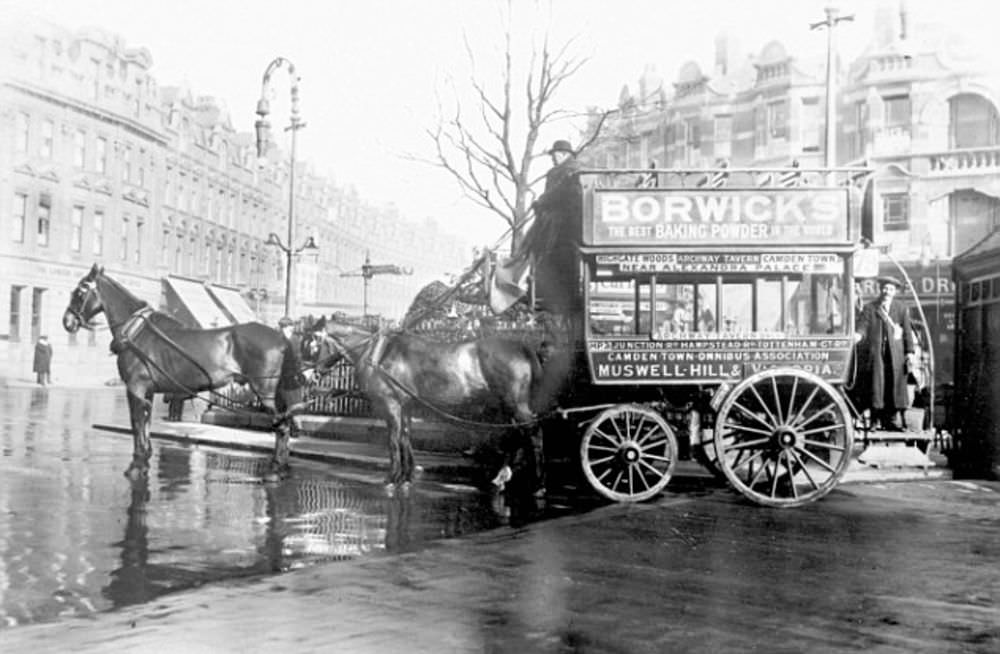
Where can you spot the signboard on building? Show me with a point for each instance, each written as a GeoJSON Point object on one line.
{"type": "Point", "coordinates": [705, 216]}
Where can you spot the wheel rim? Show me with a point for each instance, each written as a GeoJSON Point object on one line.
{"type": "Point", "coordinates": [628, 453]}
{"type": "Point", "coordinates": [784, 437]}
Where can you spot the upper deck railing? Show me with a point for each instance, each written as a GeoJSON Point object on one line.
{"type": "Point", "coordinates": [724, 177]}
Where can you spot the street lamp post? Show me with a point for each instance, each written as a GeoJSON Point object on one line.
{"type": "Point", "coordinates": [263, 129]}
{"type": "Point", "coordinates": [369, 270]}
{"type": "Point", "coordinates": [290, 252]}
{"type": "Point", "coordinates": [832, 18]}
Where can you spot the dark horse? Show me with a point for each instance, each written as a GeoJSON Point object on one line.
{"type": "Point", "coordinates": [157, 354]}
{"type": "Point", "coordinates": [491, 376]}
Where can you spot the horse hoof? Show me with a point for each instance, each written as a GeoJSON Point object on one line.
{"type": "Point", "coordinates": [404, 488]}
{"type": "Point", "coordinates": [390, 490]}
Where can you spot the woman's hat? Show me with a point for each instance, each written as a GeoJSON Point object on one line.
{"type": "Point", "coordinates": [285, 321]}
{"type": "Point", "coordinates": [562, 146]}
{"type": "Point", "coordinates": [888, 279]}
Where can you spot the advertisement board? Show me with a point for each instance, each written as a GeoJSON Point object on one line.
{"type": "Point", "coordinates": [654, 217]}
{"type": "Point", "coordinates": [617, 263]}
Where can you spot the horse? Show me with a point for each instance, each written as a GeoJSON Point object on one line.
{"type": "Point", "coordinates": [488, 376]}
{"type": "Point", "coordinates": [158, 354]}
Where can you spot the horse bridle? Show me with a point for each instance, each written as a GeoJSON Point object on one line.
{"type": "Point", "coordinates": [82, 291]}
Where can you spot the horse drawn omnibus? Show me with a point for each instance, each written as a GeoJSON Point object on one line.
{"type": "Point", "coordinates": [721, 314]}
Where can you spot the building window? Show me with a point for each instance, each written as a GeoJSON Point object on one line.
{"type": "Point", "coordinates": [165, 247]}
{"type": "Point", "coordinates": [14, 326]}
{"type": "Point", "coordinates": [777, 119]}
{"type": "Point", "coordinates": [139, 224]}
{"type": "Point", "coordinates": [20, 217]}
{"type": "Point", "coordinates": [48, 131]}
{"type": "Point", "coordinates": [44, 219]}
{"type": "Point", "coordinates": [723, 136]}
{"type": "Point", "coordinates": [98, 242]}
{"type": "Point", "coordinates": [102, 155]}
{"type": "Point", "coordinates": [21, 129]}
{"type": "Point", "coordinates": [127, 165]}
{"type": "Point", "coordinates": [897, 111]}
{"type": "Point", "coordinates": [76, 226]}
{"type": "Point", "coordinates": [895, 211]}
{"type": "Point", "coordinates": [974, 122]}
{"type": "Point", "coordinates": [123, 249]}
{"type": "Point", "coordinates": [80, 148]}
{"type": "Point", "coordinates": [759, 128]}
{"type": "Point", "coordinates": [811, 123]}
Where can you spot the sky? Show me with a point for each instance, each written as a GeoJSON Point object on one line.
{"type": "Point", "coordinates": [372, 71]}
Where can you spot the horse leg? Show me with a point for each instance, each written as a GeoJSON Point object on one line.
{"type": "Point", "coordinates": [139, 409]}
{"type": "Point", "coordinates": [394, 422]}
{"type": "Point", "coordinates": [406, 449]}
{"type": "Point", "coordinates": [282, 428]}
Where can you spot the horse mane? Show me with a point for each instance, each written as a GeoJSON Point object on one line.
{"type": "Point", "coordinates": [160, 318]}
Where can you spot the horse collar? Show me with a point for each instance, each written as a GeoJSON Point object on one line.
{"type": "Point", "coordinates": [133, 325]}
{"type": "Point", "coordinates": [377, 349]}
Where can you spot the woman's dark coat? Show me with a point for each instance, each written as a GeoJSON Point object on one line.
{"type": "Point", "coordinates": [43, 358]}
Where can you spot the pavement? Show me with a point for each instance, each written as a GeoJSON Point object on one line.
{"type": "Point", "coordinates": [361, 442]}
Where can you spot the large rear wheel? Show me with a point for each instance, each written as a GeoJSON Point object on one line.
{"type": "Point", "coordinates": [628, 453]}
{"type": "Point", "coordinates": [783, 437]}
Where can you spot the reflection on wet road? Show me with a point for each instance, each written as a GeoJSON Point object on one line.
{"type": "Point", "coordinates": [76, 537]}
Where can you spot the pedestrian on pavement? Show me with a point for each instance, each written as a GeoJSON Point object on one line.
{"type": "Point", "coordinates": [885, 349]}
{"type": "Point", "coordinates": [42, 364]}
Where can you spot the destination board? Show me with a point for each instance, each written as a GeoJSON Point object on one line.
{"type": "Point", "coordinates": [721, 359]}
{"type": "Point", "coordinates": [617, 263]}
{"type": "Point", "coordinates": [645, 217]}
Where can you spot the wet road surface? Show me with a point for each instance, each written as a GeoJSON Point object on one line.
{"type": "Point", "coordinates": [908, 567]}
{"type": "Point", "coordinates": [77, 538]}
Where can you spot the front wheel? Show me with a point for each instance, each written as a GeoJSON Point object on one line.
{"type": "Point", "coordinates": [783, 437]}
{"type": "Point", "coordinates": [628, 453]}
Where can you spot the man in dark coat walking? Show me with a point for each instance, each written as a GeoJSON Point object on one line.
{"type": "Point", "coordinates": [885, 347]}
{"type": "Point", "coordinates": [42, 364]}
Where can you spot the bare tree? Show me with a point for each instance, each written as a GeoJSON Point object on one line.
{"type": "Point", "coordinates": [488, 146]}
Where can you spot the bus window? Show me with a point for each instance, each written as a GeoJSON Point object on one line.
{"type": "Point", "coordinates": [611, 310]}
{"type": "Point", "coordinates": [769, 307]}
{"type": "Point", "coordinates": [737, 307]}
{"type": "Point", "coordinates": [706, 308]}
{"type": "Point", "coordinates": [674, 309]}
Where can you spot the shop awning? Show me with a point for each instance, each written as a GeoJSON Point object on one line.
{"type": "Point", "coordinates": [189, 301]}
{"type": "Point", "coordinates": [232, 303]}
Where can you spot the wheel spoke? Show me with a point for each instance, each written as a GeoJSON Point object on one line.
{"type": "Point", "coordinates": [745, 445]}
{"type": "Point", "coordinates": [831, 408]}
{"type": "Point", "coordinates": [825, 446]}
{"type": "Point", "coordinates": [656, 457]}
{"type": "Point", "coordinates": [755, 455]}
{"type": "Point", "coordinates": [621, 437]}
{"type": "Point", "coordinates": [594, 462]}
{"type": "Point", "coordinates": [805, 470]}
{"type": "Point", "coordinates": [603, 448]}
{"type": "Point", "coordinates": [652, 431]}
{"type": "Point", "coordinates": [617, 480]}
{"type": "Point", "coordinates": [607, 471]}
{"type": "Point", "coordinates": [658, 473]}
{"type": "Point", "coordinates": [791, 474]}
{"type": "Point", "coordinates": [763, 405]}
{"type": "Point", "coordinates": [610, 437]}
{"type": "Point", "coordinates": [753, 430]}
{"type": "Point", "coordinates": [638, 428]}
{"type": "Point", "coordinates": [819, 460]}
{"type": "Point", "coordinates": [819, 430]}
{"type": "Point", "coordinates": [751, 414]}
{"type": "Point", "coordinates": [774, 479]}
{"type": "Point", "coordinates": [777, 399]}
{"type": "Point", "coordinates": [631, 484]}
{"type": "Point", "coordinates": [791, 398]}
{"type": "Point", "coordinates": [756, 476]}
{"type": "Point", "coordinates": [805, 406]}
{"type": "Point", "coordinates": [642, 478]}
{"type": "Point", "coordinates": [650, 446]}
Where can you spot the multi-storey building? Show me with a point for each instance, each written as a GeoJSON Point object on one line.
{"type": "Point", "coordinates": [100, 164]}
